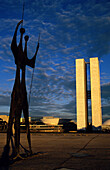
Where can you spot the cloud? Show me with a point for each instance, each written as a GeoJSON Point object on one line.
{"type": "Point", "coordinates": [106, 113]}
{"type": "Point", "coordinates": [4, 100]}
{"type": "Point", "coordinates": [69, 30]}
{"type": "Point", "coordinates": [11, 68]}
{"type": "Point", "coordinates": [74, 26]}
{"type": "Point", "coordinates": [11, 79]}
{"type": "Point", "coordinates": [105, 88]}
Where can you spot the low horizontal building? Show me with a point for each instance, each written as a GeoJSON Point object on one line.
{"type": "Point", "coordinates": [22, 119]}
{"type": "Point", "coordinates": [4, 118]}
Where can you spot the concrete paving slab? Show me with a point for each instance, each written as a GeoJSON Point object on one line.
{"type": "Point", "coordinates": [64, 151]}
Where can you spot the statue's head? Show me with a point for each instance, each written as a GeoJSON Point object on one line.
{"type": "Point", "coordinates": [26, 38]}
{"type": "Point", "coordinates": [22, 30]}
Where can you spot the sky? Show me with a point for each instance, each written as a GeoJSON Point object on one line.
{"type": "Point", "coordinates": [69, 30]}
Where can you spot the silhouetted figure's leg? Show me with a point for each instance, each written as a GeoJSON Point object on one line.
{"type": "Point", "coordinates": [10, 123]}
{"type": "Point", "coordinates": [17, 130]}
{"type": "Point", "coordinates": [26, 116]}
{"type": "Point", "coordinates": [25, 107]}
{"type": "Point", "coordinates": [5, 155]}
{"type": "Point", "coordinates": [15, 100]}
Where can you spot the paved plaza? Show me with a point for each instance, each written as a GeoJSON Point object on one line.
{"type": "Point", "coordinates": [64, 151]}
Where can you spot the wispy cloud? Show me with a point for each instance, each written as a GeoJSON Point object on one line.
{"type": "Point", "coordinates": [69, 30]}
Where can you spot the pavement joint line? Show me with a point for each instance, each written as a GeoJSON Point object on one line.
{"type": "Point", "coordinates": [77, 151]}
{"type": "Point", "coordinates": [87, 144]}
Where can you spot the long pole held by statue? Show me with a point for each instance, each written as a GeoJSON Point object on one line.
{"type": "Point", "coordinates": [33, 73]}
{"type": "Point", "coordinates": [23, 14]}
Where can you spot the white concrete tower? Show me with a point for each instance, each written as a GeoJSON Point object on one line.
{"type": "Point", "coordinates": [95, 94]}
{"type": "Point", "coordinates": [81, 96]}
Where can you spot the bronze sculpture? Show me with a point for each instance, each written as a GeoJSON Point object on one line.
{"type": "Point", "coordinates": [19, 100]}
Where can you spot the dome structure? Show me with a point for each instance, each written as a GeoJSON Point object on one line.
{"type": "Point", "coordinates": [107, 122]}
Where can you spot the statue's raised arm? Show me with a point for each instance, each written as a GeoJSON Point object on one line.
{"type": "Point", "coordinates": [31, 62]}
{"type": "Point", "coordinates": [14, 43]}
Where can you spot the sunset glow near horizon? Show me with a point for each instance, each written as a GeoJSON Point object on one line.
{"type": "Point", "coordinates": [69, 30]}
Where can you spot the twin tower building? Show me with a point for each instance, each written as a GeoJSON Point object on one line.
{"type": "Point", "coordinates": [82, 94]}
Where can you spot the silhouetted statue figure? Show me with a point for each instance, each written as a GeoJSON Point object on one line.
{"type": "Point", "coordinates": [19, 100]}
